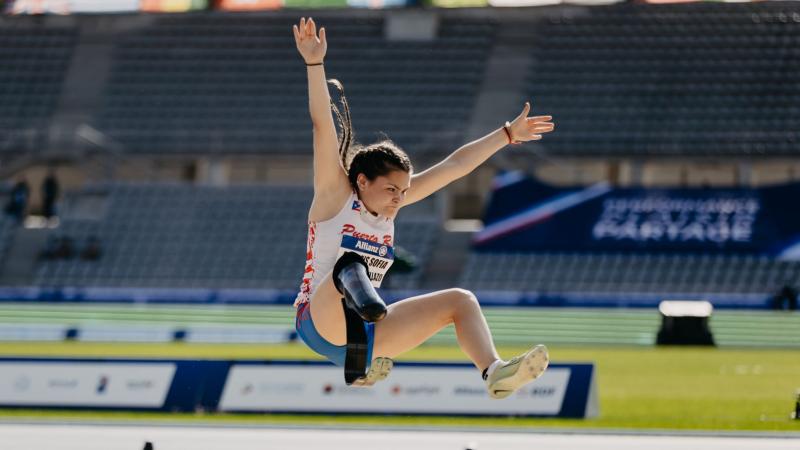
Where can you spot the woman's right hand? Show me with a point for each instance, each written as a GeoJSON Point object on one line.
{"type": "Point", "coordinates": [311, 47]}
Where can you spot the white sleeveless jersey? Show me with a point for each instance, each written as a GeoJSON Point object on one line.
{"type": "Point", "coordinates": [352, 229]}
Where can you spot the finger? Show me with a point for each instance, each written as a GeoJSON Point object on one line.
{"type": "Point", "coordinates": [539, 118]}
{"type": "Point", "coordinates": [313, 27]}
{"type": "Point", "coordinates": [541, 127]}
{"type": "Point", "coordinates": [309, 22]}
{"type": "Point", "coordinates": [525, 110]}
{"type": "Point", "coordinates": [303, 25]}
{"type": "Point", "coordinates": [296, 33]}
{"type": "Point", "coordinates": [322, 37]}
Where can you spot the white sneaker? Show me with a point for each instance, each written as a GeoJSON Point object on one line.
{"type": "Point", "coordinates": [517, 372]}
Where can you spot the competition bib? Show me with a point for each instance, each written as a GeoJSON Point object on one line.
{"type": "Point", "coordinates": [379, 257]}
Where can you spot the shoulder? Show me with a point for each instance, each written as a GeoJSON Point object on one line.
{"type": "Point", "coordinates": [327, 204]}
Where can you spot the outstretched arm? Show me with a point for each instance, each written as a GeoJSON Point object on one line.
{"type": "Point", "coordinates": [329, 176]}
{"type": "Point", "coordinates": [464, 160]}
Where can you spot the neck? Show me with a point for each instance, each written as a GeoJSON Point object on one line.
{"type": "Point", "coordinates": [369, 210]}
{"type": "Point", "coordinates": [365, 205]}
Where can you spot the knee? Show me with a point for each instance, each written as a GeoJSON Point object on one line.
{"type": "Point", "coordinates": [463, 299]}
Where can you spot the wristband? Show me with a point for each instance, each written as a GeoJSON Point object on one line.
{"type": "Point", "coordinates": [507, 129]}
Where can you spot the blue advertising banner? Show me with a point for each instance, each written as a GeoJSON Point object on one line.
{"type": "Point", "coordinates": [285, 386]}
{"type": "Point", "coordinates": [527, 215]}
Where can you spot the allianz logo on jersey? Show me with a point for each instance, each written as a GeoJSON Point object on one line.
{"type": "Point", "coordinates": [371, 248]}
{"type": "Point", "coordinates": [364, 245]}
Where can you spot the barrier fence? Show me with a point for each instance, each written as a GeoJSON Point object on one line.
{"type": "Point", "coordinates": [280, 386]}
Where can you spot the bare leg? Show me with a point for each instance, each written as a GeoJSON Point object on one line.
{"type": "Point", "coordinates": [410, 322]}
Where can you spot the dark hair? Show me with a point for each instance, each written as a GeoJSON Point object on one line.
{"type": "Point", "coordinates": [373, 160]}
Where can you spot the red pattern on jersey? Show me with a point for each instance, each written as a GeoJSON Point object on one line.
{"type": "Point", "coordinates": [308, 274]}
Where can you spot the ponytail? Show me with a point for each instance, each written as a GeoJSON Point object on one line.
{"type": "Point", "coordinates": [345, 124]}
{"type": "Point", "coordinates": [375, 160]}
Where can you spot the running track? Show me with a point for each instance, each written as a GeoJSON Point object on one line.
{"type": "Point", "coordinates": [116, 437]}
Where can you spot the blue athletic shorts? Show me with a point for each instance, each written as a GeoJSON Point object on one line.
{"type": "Point", "coordinates": [335, 353]}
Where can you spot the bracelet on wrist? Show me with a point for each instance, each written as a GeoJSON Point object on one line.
{"type": "Point", "coordinates": [507, 129]}
{"type": "Point", "coordinates": [314, 64]}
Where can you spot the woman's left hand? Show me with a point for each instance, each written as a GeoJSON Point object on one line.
{"type": "Point", "coordinates": [524, 128]}
{"type": "Point", "coordinates": [311, 47]}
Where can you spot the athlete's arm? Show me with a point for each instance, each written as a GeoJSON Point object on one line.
{"type": "Point", "coordinates": [329, 176]}
{"type": "Point", "coordinates": [471, 155]}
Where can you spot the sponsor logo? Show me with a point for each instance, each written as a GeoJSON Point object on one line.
{"type": "Point", "coordinates": [102, 384]}
{"type": "Point", "coordinates": [469, 391]}
{"type": "Point", "coordinates": [346, 391]}
{"type": "Point", "coordinates": [135, 385]}
{"type": "Point", "coordinates": [543, 391]}
{"type": "Point", "coordinates": [377, 257]}
{"type": "Point", "coordinates": [415, 390]}
{"type": "Point", "coordinates": [538, 391]}
{"type": "Point", "coordinates": [362, 245]}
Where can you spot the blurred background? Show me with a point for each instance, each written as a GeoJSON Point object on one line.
{"type": "Point", "coordinates": [156, 160]}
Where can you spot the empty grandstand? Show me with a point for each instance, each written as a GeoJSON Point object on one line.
{"type": "Point", "coordinates": [625, 273]}
{"type": "Point", "coordinates": [184, 143]}
{"type": "Point", "coordinates": [230, 84]}
{"type": "Point", "coordinates": [689, 79]}
{"type": "Point", "coordinates": [178, 236]}
{"type": "Point", "coordinates": [35, 61]}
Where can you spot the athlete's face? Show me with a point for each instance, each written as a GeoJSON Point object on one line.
{"type": "Point", "coordinates": [385, 194]}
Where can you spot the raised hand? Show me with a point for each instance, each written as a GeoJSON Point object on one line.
{"type": "Point", "coordinates": [311, 47]}
{"type": "Point", "coordinates": [524, 128]}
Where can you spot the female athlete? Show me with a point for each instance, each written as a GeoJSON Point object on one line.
{"type": "Point", "coordinates": [358, 191]}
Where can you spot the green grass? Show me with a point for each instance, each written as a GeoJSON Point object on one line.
{"type": "Point", "coordinates": [639, 387]}
{"type": "Point", "coordinates": [510, 326]}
